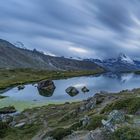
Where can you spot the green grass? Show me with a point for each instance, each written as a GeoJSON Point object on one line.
{"type": "Point", "coordinates": [9, 78]}
{"type": "Point", "coordinates": [60, 133]}
{"type": "Point", "coordinates": [127, 133]}
{"type": "Point", "coordinates": [95, 122]}
{"type": "Point", "coordinates": [131, 105]}
{"type": "Point", "coordinates": [24, 133]}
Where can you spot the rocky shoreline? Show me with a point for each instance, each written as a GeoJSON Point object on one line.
{"type": "Point", "coordinates": [105, 116]}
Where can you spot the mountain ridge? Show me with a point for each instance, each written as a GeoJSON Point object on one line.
{"type": "Point", "coordinates": [122, 63]}
{"type": "Point", "coordinates": [14, 57]}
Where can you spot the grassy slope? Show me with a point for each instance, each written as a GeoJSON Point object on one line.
{"type": "Point", "coordinates": [21, 76]}
{"type": "Point", "coordinates": [62, 118]}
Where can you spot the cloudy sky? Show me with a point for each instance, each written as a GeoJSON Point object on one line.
{"type": "Point", "coordinates": [77, 28]}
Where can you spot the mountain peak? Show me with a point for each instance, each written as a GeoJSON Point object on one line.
{"type": "Point", "coordinates": [122, 55]}
{"type": "Point", "coordinates": [125, 59]}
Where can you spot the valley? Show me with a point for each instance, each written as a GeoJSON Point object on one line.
{"type": "Point", "coordinates": [91, 99]}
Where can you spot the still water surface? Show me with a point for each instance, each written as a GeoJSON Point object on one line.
{"type": "Point", "coordinates": [30, 96]}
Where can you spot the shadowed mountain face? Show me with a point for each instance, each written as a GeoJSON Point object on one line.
{"type": "Point", "coordinates": [13, 57]}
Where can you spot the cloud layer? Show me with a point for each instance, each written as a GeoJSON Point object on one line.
{"type": "Point", "coordinates": [77, 28]}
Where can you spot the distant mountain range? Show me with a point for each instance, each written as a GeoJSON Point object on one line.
{"type": "Point", "coordinates": [16, 57]}
{"type": "Point", "coordinates": [120, 64]}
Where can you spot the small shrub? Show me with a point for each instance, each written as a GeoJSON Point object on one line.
{"type": "Point", "coordinates": [95, 122]}
{"type": "Point", "coordinates": [3, 129]}
{"type": "Point", "coordinates": [59, 133]}
{"type": "Point", "coordinates": [127, 133]}
{"type": "Point", "coordinates": [131, 105]}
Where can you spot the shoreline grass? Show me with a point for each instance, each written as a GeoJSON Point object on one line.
{"type": "Point", "coordinates": [14, 77]}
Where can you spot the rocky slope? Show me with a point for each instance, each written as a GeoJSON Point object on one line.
{"type": "Point", "coordinates": [105, 116]}
{"type": "Point", "coordinates": [14, 57]}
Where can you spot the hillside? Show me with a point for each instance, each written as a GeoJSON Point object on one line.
{"type": "Point", "coordinates": [14, 57]}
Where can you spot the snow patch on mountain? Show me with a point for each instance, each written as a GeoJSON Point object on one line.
{"type": "Point", "coordinates": [125, 59]}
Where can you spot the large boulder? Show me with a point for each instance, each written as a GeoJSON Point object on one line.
{"type": "Point", "coordinates": [46, 88]}
{"type": "Point", "coordinates": [72, 91]}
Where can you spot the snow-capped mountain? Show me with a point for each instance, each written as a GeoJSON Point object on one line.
{"type": "Point", "coordinates": [125, 59]}
{"type": "Point", "coordinates": [121, 63]}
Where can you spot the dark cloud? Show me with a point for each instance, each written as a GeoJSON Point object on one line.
{"type": "Point", "coordinates": [85, 28]}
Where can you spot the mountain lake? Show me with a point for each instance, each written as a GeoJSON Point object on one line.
{"type": "Point", "coordinates": [30, 97]}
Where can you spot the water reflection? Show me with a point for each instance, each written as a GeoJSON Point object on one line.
{"type": "Point", "coordinates": [121, 77]}
{"type": "Point", "coordinates": [106, 82]}
{"type": "Point", "coordinates": [45, 93]}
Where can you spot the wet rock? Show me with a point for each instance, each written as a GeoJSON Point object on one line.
{"type": "Point", "coordinates": [21, 87]}
{"type": "Point", "coordinates": [46, 88]}
{"type": "Point", "coordinates": [72, 91]}
{"type": "Point", "coordinates": [115, 117]}
{"type": "Point", "coordinates": [85, 89]}
{"type": "Point", "coordinates": [7, 110]}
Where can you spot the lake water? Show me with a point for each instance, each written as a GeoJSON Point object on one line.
{"type": "Point", "coordinates": [30, 96]}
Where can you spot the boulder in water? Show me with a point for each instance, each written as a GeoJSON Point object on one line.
{"type": "Point", "coordinates": [21, 87]}
{"type": "Point", "coordinates": [72, 91]}
{"type": "Point", "coordinates": [46, 88]}
{"type": "Point", "coordinates": [85, 89]}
